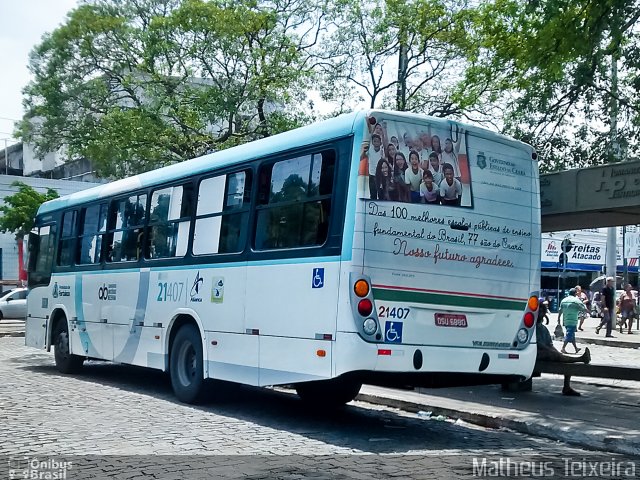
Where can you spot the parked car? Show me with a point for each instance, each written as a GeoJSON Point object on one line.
{"type": "Point", "coordinates": [13, 304]}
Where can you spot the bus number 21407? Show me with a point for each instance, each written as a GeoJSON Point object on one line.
{"type": "Point", "coordinates": [170, 291]}
{"type": "Point", "coordinates": [399, 312]}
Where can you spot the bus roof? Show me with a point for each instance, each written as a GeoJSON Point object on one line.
{"type": "Point", "coordinates": [340, 126]}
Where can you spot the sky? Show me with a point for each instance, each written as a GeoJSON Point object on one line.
{"type": "Point", "coordinates": [22, 24]}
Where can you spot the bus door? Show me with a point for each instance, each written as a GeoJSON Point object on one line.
{"type": "Point", "coordinates": [41, 249]}
{"type": "Point", "coordinates": [216, 288]}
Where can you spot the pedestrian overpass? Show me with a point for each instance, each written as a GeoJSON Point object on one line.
{"type": "Point", "coordinates": [602, 196]}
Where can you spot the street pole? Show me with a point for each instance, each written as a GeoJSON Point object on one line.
{"type": "Point", "coordinates": [625, 266]}
{"type": "Point", "coordinates": [612, 231]}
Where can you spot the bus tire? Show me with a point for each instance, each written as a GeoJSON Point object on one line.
{"type": "Point", "coordinates": [333, 393]}
{"type": "Point", "coordinates": [185, 365]}
{"type": "Point", "coordinates": [66, 362]}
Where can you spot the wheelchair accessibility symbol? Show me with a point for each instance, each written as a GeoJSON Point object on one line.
{"type": "Point", "coordinates": [318, 278]}
{"type": "Point", "coordinates": [393, 332]}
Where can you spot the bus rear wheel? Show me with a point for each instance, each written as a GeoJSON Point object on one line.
{"type": "Point", "coordinates": [66, 362]}
{"type": "Point", "coordinates": [333, 393]}
{"type": "Point", "coordinates": [185, 366]}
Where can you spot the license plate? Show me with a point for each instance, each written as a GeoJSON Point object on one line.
{"type": "Point", "coordinates": [451, 320]}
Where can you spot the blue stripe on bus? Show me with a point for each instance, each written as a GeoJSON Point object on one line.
{"type": "Point", "coordinates": [130, 348]}
{"type": "Point", "coordinates": [82, 326]}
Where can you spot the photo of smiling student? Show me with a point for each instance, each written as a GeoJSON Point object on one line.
{"type": "Point", "coordinates": [429, 192]}
{"type": "Point", "coordinates": [413, 176]}
{"type": "Point", "coordinates": [450, 187]}
{"type": "Point", "coordinates": [450, 153]}
{"type": "Point", "coordinates": [435, 167]}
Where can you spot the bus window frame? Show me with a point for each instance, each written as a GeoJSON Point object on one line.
{"type": "Point", "coordinates": [342, 148]}
{"type": "Point", "coordinates": [83, 212]}
{"type": "Point", "coordinates": [250, 169]}
{"type": "Point", "coordinates": [43, 277]}
{"type": "Point", "coordinates": [111, 228]}
{"type": "Point", "coordinates": [181, 182]}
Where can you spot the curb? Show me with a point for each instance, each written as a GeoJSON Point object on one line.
{"type": "Point", "coordinates": [589, 440]}
{"type": "Point", "coordinates": [11, 334]}
{"type": "Point", "coordinates": [607, 342]}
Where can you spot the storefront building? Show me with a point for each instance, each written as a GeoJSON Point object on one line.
{"type": "Point", "coordinates": [585, 260]}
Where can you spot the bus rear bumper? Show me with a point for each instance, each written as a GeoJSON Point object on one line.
{"type": "Point", "coordinates": [352, 354]}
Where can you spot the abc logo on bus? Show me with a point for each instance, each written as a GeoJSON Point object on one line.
{"type": "Point", "coordinates": [103, 292]}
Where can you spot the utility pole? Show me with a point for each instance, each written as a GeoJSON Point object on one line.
{"type": "Point", "coordinates": [612, 236]}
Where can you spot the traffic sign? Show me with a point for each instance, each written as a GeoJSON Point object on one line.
{"type": "Point", "coordinates": [566, 245]}
{"type": "Point", "coordinates": [562, 260]}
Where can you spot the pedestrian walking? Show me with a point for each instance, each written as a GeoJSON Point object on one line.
{"type": "Point", "coordinates": [608, 306]}
{"type": "Point", "coordinates": [580, 295]}
{"type": "Point", "coordinates": [570, 309]}
{"type": "Point", "coordinates": [627, 304]}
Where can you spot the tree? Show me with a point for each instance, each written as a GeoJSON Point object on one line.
{"type": "Point", "coordinates": [405, 55]}
{"type": "Point", "coordinates": [18, 213]}
{"type": "Point", "coordinates": [552, 60]}
{"type": "Point", "coordinates": [138, 84]}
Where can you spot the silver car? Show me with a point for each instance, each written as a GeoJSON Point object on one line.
{"type": "Point", "coordinates": [13, 304]}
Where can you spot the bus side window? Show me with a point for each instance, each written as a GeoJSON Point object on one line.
{"type": "Point", "coordinates": [170, 221]}
{"type": "Point", "coordinates": [92, 229]}
{"type": "Point", "coordinates": [41, 255]}
{"type": "Point", "coordinates": [66, 246]}
{"type": "Point", "coordinates": [299, 202]}
{"type": "Point", "coordinates": [222, 213]}
{"type": "Point", "coordinates": [126, 222]}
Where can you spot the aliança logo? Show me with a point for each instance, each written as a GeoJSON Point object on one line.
{"type": "Point", "coordinates": [195, 288]}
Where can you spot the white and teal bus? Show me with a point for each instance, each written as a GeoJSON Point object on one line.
{"type": "Point", "coordinates": [380, 247]}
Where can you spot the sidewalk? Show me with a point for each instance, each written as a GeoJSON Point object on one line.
{"type": "Point", "coordinates": [11, 328]}
{"type": "Point", "coordinates": [589, 335]}
{"type": "Point", "coordinates": [604, 418]}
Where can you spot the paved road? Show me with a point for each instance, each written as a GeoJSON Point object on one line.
{"type": "Point", "coordinates": [118, 410]}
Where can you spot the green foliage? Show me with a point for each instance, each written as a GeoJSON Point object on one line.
{"type": "Point", "coordinates": [405, 55]}
{"type": "Point", "coordinates": [138, 84]}
{"type": "Point", "coordinates": [19, 210]}
{"type": "Point", "coordinates": [548, 63]}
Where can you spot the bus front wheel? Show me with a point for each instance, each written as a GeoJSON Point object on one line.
{"type": "Point", "coordinates": [186, 365]}
{"type": "Point", "coordinates": [333, 393]}
{"type": "Point", "coordinates": [66, 362]}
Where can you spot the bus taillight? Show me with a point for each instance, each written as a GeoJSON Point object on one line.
{"type": "Point", "coordinates": [361, 288]}
{"type": "Point", "coordinates": [533, 303]}
{"type": "Point", "coordinates": [529, 319]}
{"type": "Point", "coordinates": [365, 307]}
